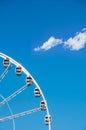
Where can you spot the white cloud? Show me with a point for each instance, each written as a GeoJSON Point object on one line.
{"type": "Point", "coordinates": [73, 43]}
{"type": "Point", "coordinates": [77, 42]}
{"type": "Point", "coordinates": [52, 42]}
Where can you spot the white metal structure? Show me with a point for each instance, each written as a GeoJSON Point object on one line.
{"type": "Point", "coordinates": [29, 80]}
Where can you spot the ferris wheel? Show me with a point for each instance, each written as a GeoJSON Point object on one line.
{"type": "Point", "coordinates": [8, 64]}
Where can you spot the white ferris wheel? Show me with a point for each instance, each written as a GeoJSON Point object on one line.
{"type": "Point", "coordinates": [6, 118]}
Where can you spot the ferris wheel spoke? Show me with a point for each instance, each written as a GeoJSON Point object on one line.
{"type": "Point", "coordinates": [4, 73]}
{"type": "Point", "coordinates": [13, 95]}
{"type": "Point", "coordinates": [19, 114]}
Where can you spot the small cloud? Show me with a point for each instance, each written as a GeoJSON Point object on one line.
{"type": "Point", "coordinates": [77, 42]}
{"type": "Point", "coordinates": [73, 43]}
{"type": "Point", "coordinates": [52, 42]}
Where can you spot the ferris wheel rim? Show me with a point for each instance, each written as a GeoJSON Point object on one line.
{"type": "Point", "coordinates": [4, 56]}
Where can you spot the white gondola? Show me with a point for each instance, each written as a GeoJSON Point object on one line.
{"type": "Point", "coordinates": [18, 70]}
{"type": "Point", "coordinates": [6, 62]}
{"type": "Point", "coordinates": [47, 119]}
{"type": "Point", "coordinates": [37, 92]}
{"type": "Point", "coordinates": [29, 81]}
{"type": "Point", "coordinates": [43, 106]}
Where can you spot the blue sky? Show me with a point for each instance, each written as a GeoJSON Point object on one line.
{"type": "Point", "coordinates": [60, 71]}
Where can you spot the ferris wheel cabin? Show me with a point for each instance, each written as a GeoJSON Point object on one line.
{"type": "Point", "coordinates": [37, 92]}
{"type": "Point", "coordinates": [18, 70]}
{"type": "Point", "coordinates": [6, 62]}
{"type": "Point", "coordinates": [47, 119]}
{"type": "Point", "coordinates": [43, 106]}
{"type": "Point", "coordinates": [29, 81]}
